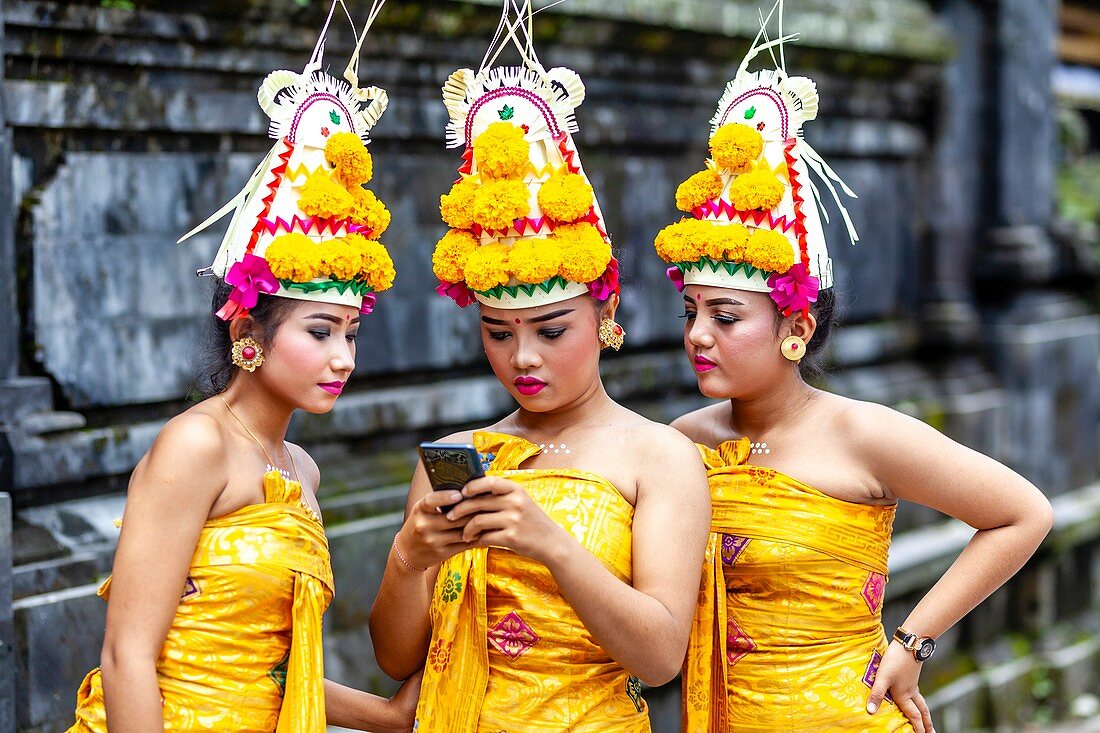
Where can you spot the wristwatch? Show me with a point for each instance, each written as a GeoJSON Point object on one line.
{"type": "Point", "coordinates": [922, 647]}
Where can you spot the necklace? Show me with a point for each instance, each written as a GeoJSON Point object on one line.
{"type": "Point", "coordinates": [761, 448]}
{"type": "Point", "coordinates": [554, 448]}
{"type": "Point", "coordinates": [270, 463]}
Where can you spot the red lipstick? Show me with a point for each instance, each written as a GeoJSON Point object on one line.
{"type": "Point", "coordinates": [703, 364]}
{"type": "Point", "coordinates": [529, 385]}
{"type": "Point", "coordinates": [332, 387]}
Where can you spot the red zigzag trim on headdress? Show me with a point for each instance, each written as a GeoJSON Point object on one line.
{"type": "Point", "coordinates": [716, 207]}
{"type": "Point", "coordinates": [796, 195]}
{"type": "Point", "coordinates": [277, 178]}
{"type": "Point", "coordinates": [534, 225]}
{"type": "Point", "coordinates": [308, 224]}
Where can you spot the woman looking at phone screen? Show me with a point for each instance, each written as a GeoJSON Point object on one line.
{"type": "Point", "coordinates": [570, 571]}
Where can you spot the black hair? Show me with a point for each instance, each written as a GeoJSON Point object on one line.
{"type": "Point", "coordinates": [214, 368]}
{"type": "Point", "coordinates": [824, 310]}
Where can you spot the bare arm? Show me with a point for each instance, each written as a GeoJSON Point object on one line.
{"type": "Point", "coordinates": [916, 463]}
{"type": "Point", "coordinates": [644, 627]}
{"type": "Point", "coordinates": [351, 708]}
{"type": "Point", "coordinates": [399, 625]}
{"type": "Point", "coordinates": [167, 504]}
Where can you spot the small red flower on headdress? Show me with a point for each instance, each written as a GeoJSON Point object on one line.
{"type": "Point", "coordinates": [249, 277]}
{"type": "Point", "coordinates": [602, 287]}
{"type": "Point", "coordinates": [795, 290]}
{"type": "Point", "coordinates": [458, 292]}
{"type": "Point", "coordinates": [677, 277]}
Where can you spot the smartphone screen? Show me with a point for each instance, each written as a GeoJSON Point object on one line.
{"type": "Point", "coordinates": [450, 466]}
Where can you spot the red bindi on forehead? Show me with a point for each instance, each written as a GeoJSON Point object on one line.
{"type": "Point", "coordinates": [697, 296]}
{"type": "Point", "coordinates": [517, 321]}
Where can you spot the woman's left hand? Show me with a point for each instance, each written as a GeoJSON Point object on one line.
{"type": "Point", "coordinates": [503, 515]}
{"type": "Point", "coordinates": [898, 673]}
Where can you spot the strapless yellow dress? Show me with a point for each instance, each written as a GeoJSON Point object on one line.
{"type": "Point", "coordinates": [508, 654]}
{"type": "Point", "coordinates": [244, 649]}
{"type": "Point", "coordinates": [788, 632]}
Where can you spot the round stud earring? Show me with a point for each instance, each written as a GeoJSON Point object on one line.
{"type": "Point", "coordinates": [611, 334]}
{"type": "Point", "coordinates": [247, 354]}
{"type": "Point", "coordinates": [793, 348]}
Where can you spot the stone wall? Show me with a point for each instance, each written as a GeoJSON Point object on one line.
{"type": "Point", "coordinates": [126, 128]}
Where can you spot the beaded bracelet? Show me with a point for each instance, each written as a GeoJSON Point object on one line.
{"type": "Point", "coordinates": [405, 562]}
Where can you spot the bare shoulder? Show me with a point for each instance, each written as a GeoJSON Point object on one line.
{"type": "Point", "coordinates": [308, 471]}
{"type": "Point", "coordinates": [870, 427]}
{"type": "Point", "coordinates": [188, 455]}
{"type": "Point", "coordinates": [702, 425]}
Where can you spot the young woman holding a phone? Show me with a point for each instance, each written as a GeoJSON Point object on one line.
{"type": "Point", "coordinates": [788, 634]}
{"type": "Point", "coordinates": [564, 579]}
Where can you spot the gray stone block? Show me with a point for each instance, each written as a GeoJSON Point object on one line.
{"type": "Point", "coordinates": [7, 628]}
{"type": "Point", "coordinates": [59, 636]}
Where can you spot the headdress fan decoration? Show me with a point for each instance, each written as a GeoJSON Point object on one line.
{"type": "Point", "coordinates": [525, 226]}
{"type": "Point", "coordinates": [304, 226]}
{"type": "Point", "coordinates": [755, 212]}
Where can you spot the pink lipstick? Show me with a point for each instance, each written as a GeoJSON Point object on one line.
{"type": "Point", "coordinates": [529, 385]}
{"type": "Point", "coordinates": [703, 364]}
{"type": "Point", "coordinates": [332, 387]}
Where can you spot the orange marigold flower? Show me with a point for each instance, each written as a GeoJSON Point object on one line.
{"type": "Point", "coordinates": [321, 196]}
{"type": "Point", "coordinates": [294, 257]}
{"type": "Point", "coordinates": [501, 151]}
{"type": "Point", "coordinates": [451, 252]}
{"type": "Point", "coordinates": [487, 266]}
{"type": "Point", "coordinates": [733, 146]}
{"type": "Point", "coordinates": [698, 189]}
{"type": "Point", "coordinates": [378, 268]}
{"type": "Point", "coordinates": [683, 241]}
{"type": "Point", "coordinates": [457, 206]}
{"type": "Point", "coordinates": [350, 158]}
{"type": "Point", "coordinates": [756, 190]}
{"type": "Point", "coordinates": [498, 203]}
{"type": "Point", "coordinates": [534, 260]}
{"type": "Point", "coordinates": [584, 253]}
{"type": "Point", "coordinates": [769, 251]}
{"type": "Point", "coordinates": [369, 211]}
{"type": "Point", "coordinates": [566, 197]}
{"type": "Point", "coordinates": [726, 242]}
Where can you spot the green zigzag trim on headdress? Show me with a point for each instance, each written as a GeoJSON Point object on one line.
{"type": "Point", "coordinates": [528, 289]}
{"type": "Point", "coordinates": [343, 286]}
{"type": "Point", "coordinates": [731, 267]}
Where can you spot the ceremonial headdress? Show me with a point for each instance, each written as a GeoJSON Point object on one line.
{"type": "Point", "coordinates": [526, 228]}
{"type": "Point", "coordinates": [304, 226]}
{"type": "Point", "coordinates": [756, 214]}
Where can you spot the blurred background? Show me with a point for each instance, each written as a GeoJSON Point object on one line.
{"type": "Point", "coordinates": [969, 128]}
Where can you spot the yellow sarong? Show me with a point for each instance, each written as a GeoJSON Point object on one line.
{"type": "Point", "coordinates": [788, 632]}
{"type": "Point", "coordinates": [244, 649]}
{"type": "Point", "coordinates": [507, 652]}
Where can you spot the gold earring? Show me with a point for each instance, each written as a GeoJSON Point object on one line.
{"type": "Point", "coordinates": [247, 354]}
{"type": "Point", "coordinates": [611, 334]}
{"type": "Point", "coordinates": [793, 348]}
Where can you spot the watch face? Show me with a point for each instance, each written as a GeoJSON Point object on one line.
{"type": "Point", "coordinates": [924, 649]}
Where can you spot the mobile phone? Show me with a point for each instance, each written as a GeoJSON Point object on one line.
{"type": "Point", "coordinates": [450, 466]}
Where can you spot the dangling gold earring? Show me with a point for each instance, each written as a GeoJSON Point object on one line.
{"type": "Point", "coordinates": [793, 348]}
{"type": "Point", "coordinates": [247, 354]}
{"type": "Point", "coordinates": [611, 334]}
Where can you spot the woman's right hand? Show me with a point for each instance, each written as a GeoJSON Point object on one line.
{"type": "Point", "coordinates": [428, 537]}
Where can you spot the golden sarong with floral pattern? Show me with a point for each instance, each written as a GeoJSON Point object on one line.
{"type": "Point", "coordinates": [508, 654]}
{"type": "Point", "coordinates": [788, 632]}
{"type": "Point", "coordinates": [244, 649]}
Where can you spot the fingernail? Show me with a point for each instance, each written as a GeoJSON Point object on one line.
{"type": "Point", "coordinates": [872, 708]}
{"type": "Point", "coordinates": [451, 516]}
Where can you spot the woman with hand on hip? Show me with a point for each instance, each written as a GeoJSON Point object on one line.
{"type": "Point", "coordinates": [222, 570]}
{"type": "Point", "coordinates": [570, 572]}
{"type": "Point", "coordinates": [788, 635]}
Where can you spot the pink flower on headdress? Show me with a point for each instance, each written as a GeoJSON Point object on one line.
{"type": "Point", "coordinates": [458, 292]}
{"type": "Point", "coordinates": [795, 290]}
{"type": "Point", "coordinates": [249, 277]}
{"type": "Point", "coordinates": [368, 303]}
{"type": "Point", "coordinates": [602, 287]}
{"type": "Point", "coordinates": [677, 277]}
